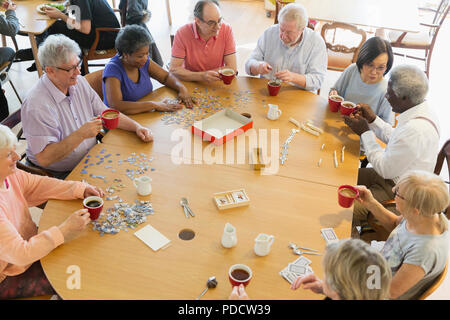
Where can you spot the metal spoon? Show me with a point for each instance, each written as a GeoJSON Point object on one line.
{"type": "Point", "coordinates": [211, 283]}
{"type": "Point", "coordinates": [186, 205]}
{"type": "Point", "coordinates": [184, 208]}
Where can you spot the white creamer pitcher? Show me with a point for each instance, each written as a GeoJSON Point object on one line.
{"type": "Point", "coordinates": [229, 238]}
{"type": "Point", "coordinates": [263, 242]}
{"type": "Point", "coordinates": [274, 113]}
{"type": "Point", "coordinates": [143, 185]}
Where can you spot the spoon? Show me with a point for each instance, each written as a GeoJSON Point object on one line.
{"type": "Point", "coordinates": [186, 206]}
{"type": "Point", "coordinates": [211, 283]}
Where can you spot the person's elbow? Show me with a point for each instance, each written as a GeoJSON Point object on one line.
{"type": "Point", "coordinates": [43, 160]}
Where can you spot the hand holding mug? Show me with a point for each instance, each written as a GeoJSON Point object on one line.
{"type": "Point", "coordinates": [333, 92]}
{"type": "Point", "coordinates": [93, 191]}
{"type": "Point", "coordinates": [366, 111]}
{"type": "Point", "coordinates": [74, 225]}
{"type": "Point", "coordinates": [357, 123]}
{"type": "Point", "coordinates": [91, 128]}
{"type": "Point", "coordinates": [238, 293]}
{"type": "Point", "coordinates": [211, 75]}
{"type": "Point", "coordinates": [365, 196]}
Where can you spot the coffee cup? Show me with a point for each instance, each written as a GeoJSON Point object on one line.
{"type": "Point", "coordinates": [227, 75]}
{"type": "Point", "coordinates": [274, 86]}
{"type": "Point", "coordinates": [347, 108]}
{"type": "Point", "coordinates": [346, 195]}
{"type": "Point", "coordinates": [94, 205]}
{"type": "Point", "coordinates": [274, 113]}
{"type": "Point", "coordinates": [110, 118]}
{"type": "Point", "coordinates": [335, 102]}
{"type": "Point", "coordinates": [239, 274]}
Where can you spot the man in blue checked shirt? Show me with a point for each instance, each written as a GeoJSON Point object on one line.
{"type": "Point", "coordinates": [290, 51]}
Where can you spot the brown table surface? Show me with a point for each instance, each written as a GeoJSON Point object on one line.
{"type": "Point", "coordinates": [290, 208]}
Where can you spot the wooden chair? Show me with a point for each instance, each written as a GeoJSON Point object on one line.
{"type": "Point", "coordinates": [4, 77]}
{"type": "Point", "coordinates": [436, 284]}
{"type": "Point", "coordinates": [95, 80]}
{"type": "Point", "coordinates": [339, 55]}
{"type": "Point", "coordinates": [444, 154]}
{"type": "Point", "coordinates": [423, 40]}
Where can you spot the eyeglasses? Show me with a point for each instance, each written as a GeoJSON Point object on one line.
{"type": "Point", "coordinates": [378, 69]}
{"type": "Point", "coordinates": [72, 69]}
{"type": "Point", "coordinates": [212, 23]}
{"type": "Point", "coordinates": [397, 195]}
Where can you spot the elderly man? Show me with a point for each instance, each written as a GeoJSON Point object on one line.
{"type": "Point", "coordinates": [412, 145]}
{"type": "Point", "coordinates": [290, 51]}
{"type": "Point", "coordinates": [201, 48]}
{"type": "Point", "coordinates": [60, 115]}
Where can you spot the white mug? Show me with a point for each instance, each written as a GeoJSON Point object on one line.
{"type": "Point", "coordinates": [274, 113]}
{"type": "Point", "coordinates": [143, 185]}
{"type": "Point", "coordinates": [263, 242]}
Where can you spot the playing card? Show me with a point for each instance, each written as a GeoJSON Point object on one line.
{"type": "Point", "coordinates": [288, 276]}
{"type": "Point", "coordinates": [298, 270]}
{"type": "Point", "coordinates": [302, 261]}
{"type": "Point", "coordinates": [329, 235]}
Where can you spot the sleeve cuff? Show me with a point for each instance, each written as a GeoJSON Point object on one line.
{"type": "Point", "coordinates": [56, 235]}
{"type": "Point", "coordinates": [377, 123]}
{"type": "Point", "coordinates": [368, 138]}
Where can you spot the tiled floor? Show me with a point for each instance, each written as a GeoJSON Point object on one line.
{"type": "Point", "coordinates": [248, 19]}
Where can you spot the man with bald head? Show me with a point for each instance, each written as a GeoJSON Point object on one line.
{"type": "Point", "coordinates": [290, 51]}
{"type": "Point", "coordinates": [203, 47]}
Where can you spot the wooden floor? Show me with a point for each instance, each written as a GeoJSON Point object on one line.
{"type": "Point", "coordinates": [248, 20]}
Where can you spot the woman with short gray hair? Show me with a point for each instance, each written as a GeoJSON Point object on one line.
{"type": "Point", "coordinates": [21, 274]}
{"type": "Point", "coordinates": [127, 76]}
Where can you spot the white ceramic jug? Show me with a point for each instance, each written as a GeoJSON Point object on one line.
{"type": "Point", "coordinates": [263, 242]}
{"type": "Point", "coordinates": [274, 113]}
{"type": "Point", "coordinates": [143, 185]}
{"type": "Point", "coordinates": [229, 238]}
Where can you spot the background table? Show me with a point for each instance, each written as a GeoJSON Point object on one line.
{"type": "Point", "coordinates": [290, 208]}
{"type": "Point", "coordinates": [401, 15]}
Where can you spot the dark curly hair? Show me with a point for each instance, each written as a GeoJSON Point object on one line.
{"type": "Point", "coordinates": [132, 38]}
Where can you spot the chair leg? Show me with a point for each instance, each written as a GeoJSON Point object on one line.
{"type": "Point", "coordinates": [85, 65]}
{"type": "Point", "coordinates": [15, 43]}
{"type": "Point", "coordinates": [14, 88]}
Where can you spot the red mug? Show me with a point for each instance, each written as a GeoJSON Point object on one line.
{"type": "Point", "coordinates": [239, 274]}
{"type": "Point", "coordinates": [346, 195]}
{"type": "Point", "coordinates": [227, 75]}
{"type": "Point", "coordinates": [273, 87]}
{"type": "Point", "coordinates": [110, 118]}
{"type": "Point", "coordinates": [335, 102]}
{"type": "Point", "coordinates": [94, 211]}
{"type": "Point", "coordinates": [347, 108]}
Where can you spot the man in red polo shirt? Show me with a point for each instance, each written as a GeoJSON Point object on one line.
{"type": "Point", "coordinates": [201, 48]}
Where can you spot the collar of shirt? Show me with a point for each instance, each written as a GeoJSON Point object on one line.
{"type": "Point", "coordinates": [54, 91]}
{"type": "Point", "coordinates": [419, 110]}
{"type": "Point", "coordinates": [197, 36]}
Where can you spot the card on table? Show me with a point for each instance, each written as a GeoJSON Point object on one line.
{"type": "Point", "coordinates": [329, 235]}
{"type": "Point", "coordinates": [302, 261]}
{"type": "Point", "coordinates": [152, 237]}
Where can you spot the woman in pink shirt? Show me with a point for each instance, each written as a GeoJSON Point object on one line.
{"type": "Point", "coordinates": [21, 247]}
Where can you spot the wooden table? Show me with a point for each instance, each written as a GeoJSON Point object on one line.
{"type": "Point", "coordinates": [33, 23]}
{"type": "Point", "coordinates": [292, 205]}
{"type": "Point", "coordinates": [401, 15]}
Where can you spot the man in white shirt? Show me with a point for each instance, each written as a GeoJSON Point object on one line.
{"type": "Point", "coordinates": [290, 51]}
{"type": "Point", "coordinates": [412, 145]}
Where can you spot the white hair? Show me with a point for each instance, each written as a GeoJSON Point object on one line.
{"type": "Point", "coordinates": [7, 138]}
{"type": "Point", "coordinates": [294, 11]}
{"type": "Point", "coordinates": [409, 81]}
{"type": "Point", "coordinates": [57, 50]}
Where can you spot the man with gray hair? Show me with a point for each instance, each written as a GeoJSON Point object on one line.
{"type": "Point", "coordinates": [61, 113]}
{"type": "Point", "coordinates": [290, 52]}
{"type": "Point", "coordinates": [412, 145]}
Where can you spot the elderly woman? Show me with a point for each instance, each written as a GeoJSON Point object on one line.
{"type": "Point", "coordinates": [352, 271]}
{"type": "Point", "coordinates": [290, 51]}
{"type": "Point", "coordinates": [126, 78]}
{"type": "Point", "coordinates": [60, 115]}
{"type": "Point", "coordinates": [418, 246]}
{"type": "Point", "coordinates": [364, 82]}
{"type": "Point", "coordinates": [21, 247]}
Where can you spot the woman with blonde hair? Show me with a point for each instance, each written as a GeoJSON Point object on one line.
{"type": "Point", "coordinates": [353, 271]}
{"type": "Point", "coordinates": [418, 246]}
{"type": "Point", "coordinates": [21, 247]}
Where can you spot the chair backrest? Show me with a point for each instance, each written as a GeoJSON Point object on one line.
{"type": "Point", "coordinates": [95, 80]}
{"type": "Point", "coordinates": [436, 283]}
{"type": "Point", "coordinates": [444, 154]}
{"type": "Point", "coordinates": [340, 47]}
{"type": "Point", "coordinates": [439, 17]}
{"type": "Point", "coordinates": [13, 120]}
